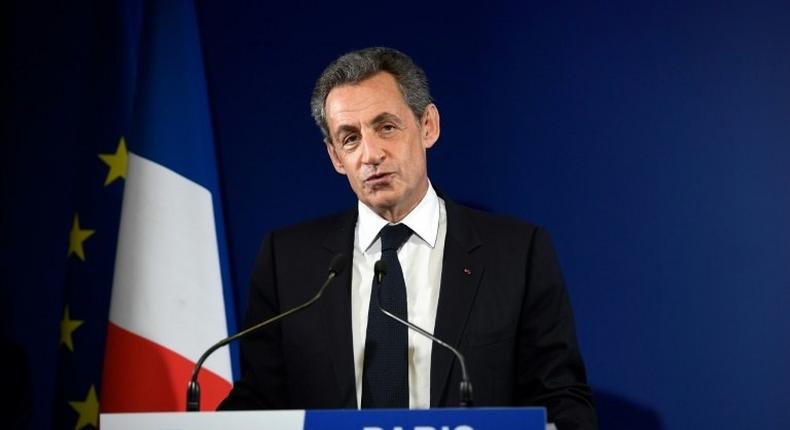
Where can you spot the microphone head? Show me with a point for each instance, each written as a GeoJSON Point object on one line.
{"type": "Point", "coordinates": [338, 264]}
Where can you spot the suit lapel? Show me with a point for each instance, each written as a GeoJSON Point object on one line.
{"type": "Point", "coordinates": [462, 270]}
{"type": "Point", "coordinates": [337, 311]}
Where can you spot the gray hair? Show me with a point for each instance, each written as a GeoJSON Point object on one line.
{"type": "Point", "coordinates": [356, 66]}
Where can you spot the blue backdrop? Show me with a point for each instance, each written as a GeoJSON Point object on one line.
{"type": "Point", "coordinates": [652, 140]}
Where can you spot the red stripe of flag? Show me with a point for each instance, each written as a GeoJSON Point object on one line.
{"type": "Point", "coordinates": [142, 376]}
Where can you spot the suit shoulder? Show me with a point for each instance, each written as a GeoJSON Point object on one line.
{"type": "Point", "coordinates": [316, 228]}
{"type": "Point", "coordinates": [504, 231]}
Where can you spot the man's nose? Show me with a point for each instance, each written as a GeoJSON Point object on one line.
{"type": "Point", "coordinates": [372, 150]}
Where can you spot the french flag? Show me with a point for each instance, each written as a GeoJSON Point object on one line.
{"type": "Point", "coordinates": [168, 303]}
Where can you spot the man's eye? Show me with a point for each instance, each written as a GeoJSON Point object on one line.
{"type": "Point", "coordinates": [386, 128]}
{"type": "Point", "coordinates": [350, 139]}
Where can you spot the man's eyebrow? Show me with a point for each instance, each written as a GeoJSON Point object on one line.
{"type": "Point", "coordinates": [384, 117]}
{"type": "Point", "coordinates": [345, 128]}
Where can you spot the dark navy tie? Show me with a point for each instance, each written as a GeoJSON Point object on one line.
{"type": "Point", "coordinates": [385, 377]}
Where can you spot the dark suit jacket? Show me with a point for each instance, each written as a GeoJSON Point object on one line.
{"type": "Point", "coordinates": [502, 302]}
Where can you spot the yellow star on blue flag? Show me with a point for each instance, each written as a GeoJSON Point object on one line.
{"type": "Point", "coordinates": [118, 162]}
{"type": "Point", "coordinates": [76, 237]}
{"type": "Point", "coordinates": [67, 327]}
{"type": "Point", "coordinates": [87, 409]}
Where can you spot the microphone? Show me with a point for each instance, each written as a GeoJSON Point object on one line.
{"type": "Point", "coordinates": [380, 269]}
{"type": "Point", "coordinates": [336, 267]}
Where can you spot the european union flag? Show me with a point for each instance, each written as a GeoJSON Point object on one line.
{"type": "Point", "coordinates": [103, 107]}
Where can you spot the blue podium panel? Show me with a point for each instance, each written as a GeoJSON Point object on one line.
{"type": "Point", "coordinates": [427, 419]}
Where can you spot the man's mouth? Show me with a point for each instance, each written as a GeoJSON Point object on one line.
{"type": "Point", "coordinates": [378, 179]}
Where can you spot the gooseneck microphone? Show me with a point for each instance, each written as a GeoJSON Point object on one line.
{"type": "Point", "coordinates": [336, 267]}
{"type": "Point", "coordinates": [380, 269]}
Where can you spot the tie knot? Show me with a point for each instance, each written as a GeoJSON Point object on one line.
{"type": "Point", "coordinates": [393, 236]}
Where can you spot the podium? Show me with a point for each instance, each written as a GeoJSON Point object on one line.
{"type": "Point", "coordinates": [523, 418]}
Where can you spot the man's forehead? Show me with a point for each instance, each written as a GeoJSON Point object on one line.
{"type": "Point", "coordinates": [365, 102]}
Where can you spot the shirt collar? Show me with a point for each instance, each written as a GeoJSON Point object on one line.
{"type": "Point", "coordinates": [423, 220]}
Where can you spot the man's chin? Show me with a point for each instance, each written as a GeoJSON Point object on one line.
{"type": "Point", "coordinates": [381, 196]}
{"type": "Point", "coordinates": [381, 202]}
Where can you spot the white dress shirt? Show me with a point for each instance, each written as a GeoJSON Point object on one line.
{"type": "Point", "coordinates": [421, 260]}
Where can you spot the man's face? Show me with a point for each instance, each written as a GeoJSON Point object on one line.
{"type": "Point", "coordinates": [379, 145]}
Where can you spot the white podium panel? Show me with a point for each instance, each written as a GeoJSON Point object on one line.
{"type": "Point", "coordinates": [229, 420]}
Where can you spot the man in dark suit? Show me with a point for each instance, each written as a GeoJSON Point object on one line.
{"type": "Point", "coordinates": [489, 285]}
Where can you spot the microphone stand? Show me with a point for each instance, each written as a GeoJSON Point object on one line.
{"type": "Point", "coordinates": [193, 389]}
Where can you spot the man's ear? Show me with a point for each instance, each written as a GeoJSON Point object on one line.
{"type": "Point", "coordinates": [336, 162]}
{"type": "Point", "coordinates": [430, 126]}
